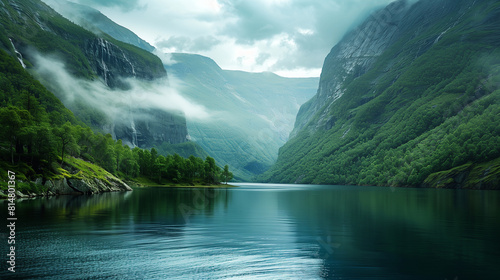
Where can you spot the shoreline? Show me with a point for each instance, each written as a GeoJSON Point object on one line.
{"type": "Point", "coordinates": [187, 186]}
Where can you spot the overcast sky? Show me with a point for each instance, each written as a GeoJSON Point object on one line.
{"type": "Point", "coordinates": [288, 37]}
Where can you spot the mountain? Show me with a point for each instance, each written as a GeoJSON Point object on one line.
{"type": "Point", "coordinates": [94, 75]}
{"type": "Point", "coordinates": [252, 114]}
{"type": "Point", "coordinates": [409, 98]}
{"type": "Point", "coordinates": [93, 20]}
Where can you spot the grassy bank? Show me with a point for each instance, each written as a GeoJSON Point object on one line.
{"type": "Point", "coordinates": [142, 182]}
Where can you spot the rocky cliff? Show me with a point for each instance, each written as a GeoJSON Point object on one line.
{"type": "Point", "coordinates": [356, 53]}
{"type": "Point", "coordinates": [112, 63]}
{"type": "Point", "coordinates": [400, 99]}
{"type": "Point", "coordinates": [149, 128]}
{"type": "Point", "coordinates": [352, 57]}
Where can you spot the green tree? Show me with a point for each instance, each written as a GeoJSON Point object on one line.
{"type": "Point", "coordinates": [160, 167]}
{"type": "Point", "coordinates": [12, 123]}
{"type": "Point", "coordinates": [65, 138]}
{"type": "Point", "coordinates": [226, 174]}
{"type": "Point", "coordinates": [119, 150]}
{"type": "Point", "coordinates": [211, 171]}
{"type": "Point", "coordinates": [44, 142]}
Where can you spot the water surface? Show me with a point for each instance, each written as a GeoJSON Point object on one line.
{"type": "Point", "coordinates": [259, 231]}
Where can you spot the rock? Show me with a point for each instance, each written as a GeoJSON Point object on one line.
{"type": "Point", "coordinates": [61, 187]}
{"type": "Point", "coordinates": [48, 184]}
{"type": "Point", "coordinates": [112, 63]}
{"type": "Point", "coordinates": [20, 194]}
{"type": "Point", "coordinates": [354, 54]}
{"type": "Point", "coordinates": [39, 181]}
{"type": "Point", "coordinates": [82, 186]}
{"type": "Point", "coordinates": [118, 185]}
{"type": "Point", "coordinates": [146, 128]}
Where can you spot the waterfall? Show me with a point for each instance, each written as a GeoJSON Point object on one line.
{"type": "Point", "coordinates": [134, 133]}
{"type": "Point", "coordinates": [18, 54]}
{"type": "Point", "coordinates": [104, 53]}
{"type": "Point", "coordinates": [130, 63]}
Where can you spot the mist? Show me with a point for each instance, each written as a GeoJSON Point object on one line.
{"type": "Point", "coordinates": [151, 103]}
{"type": "Point", "coordinates": [158, 94]}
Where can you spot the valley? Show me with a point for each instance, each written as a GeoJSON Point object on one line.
{"type": "Point", "coordinates": [250, 139]}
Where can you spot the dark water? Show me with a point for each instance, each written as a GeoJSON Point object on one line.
{"type": "Point", "coordinates": [259, 232]}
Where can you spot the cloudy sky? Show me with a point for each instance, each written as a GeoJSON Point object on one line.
{"type": "Point", "coordinates": [288, 37]}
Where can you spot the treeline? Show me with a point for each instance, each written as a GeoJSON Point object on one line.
{"type": "Point", "coordinates": [38, 132]}
{"type": "Point", "coordinates": [174, 168]}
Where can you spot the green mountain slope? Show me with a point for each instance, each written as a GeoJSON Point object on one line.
{"type": "Point", "coordinates": [252, 114]}
{"type": "Point", "coordinates": [410, 98]}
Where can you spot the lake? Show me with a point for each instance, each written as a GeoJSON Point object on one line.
{"type": "Point", "coordinates": [259, 231]}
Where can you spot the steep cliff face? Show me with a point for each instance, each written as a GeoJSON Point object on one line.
{"type": "Point", "coordinates": [357, 52]}
{"type": "Point", "coordinates": [149, 128]}
{"type": "Point", "coordinates": [352, 57]}
{"type": "Point", "coordinates": [109, 61]}
{"type": "Point", "coordinates": [400, 97]}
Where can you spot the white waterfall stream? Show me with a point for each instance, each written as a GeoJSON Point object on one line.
{"type": "Point", "coordinates": [18, 54]}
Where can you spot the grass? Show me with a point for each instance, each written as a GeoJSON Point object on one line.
{"type": "Point", "coordinates": [86, 170]}
{"type": "Point", "coordinates": [74, 168]}
{"type": "Point", "coordinates": [473, 176]}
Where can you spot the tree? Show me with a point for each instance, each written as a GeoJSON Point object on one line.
{"type": "Point", "coordinates": [44, 144]}
{"type": "Point", "coordinates": [11, 121]}
{"type": "Point", "coordinates": [119, 150]}
{"type": "Point", "coordinates": [160, 167]}
{"type": "Point", "coordinates": [129, 162]}
{"type": "Point", "coordinates": [211, 171]}
{"type": "Point", "coordinates": [64, 135]}
{"type": "Point", "coordinates": [226, 174]}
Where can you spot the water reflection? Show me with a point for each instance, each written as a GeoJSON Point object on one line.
{"type": "Point", "coordinates": [431, 234]}
{"type": "Point", "coordinates": [262, 231]}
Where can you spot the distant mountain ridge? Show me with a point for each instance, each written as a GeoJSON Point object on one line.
{"type": "Point", "coordinates": [409, 98]}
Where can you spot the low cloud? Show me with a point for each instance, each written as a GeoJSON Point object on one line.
{"type": "Point", "coordinates": [115, 103]}
{"type": "Point", "coordinates": [186, 44]}
{"type": "Point", "coordinates": [124, 5]}
{"type": "Point", "coordinates": [166, 58]}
